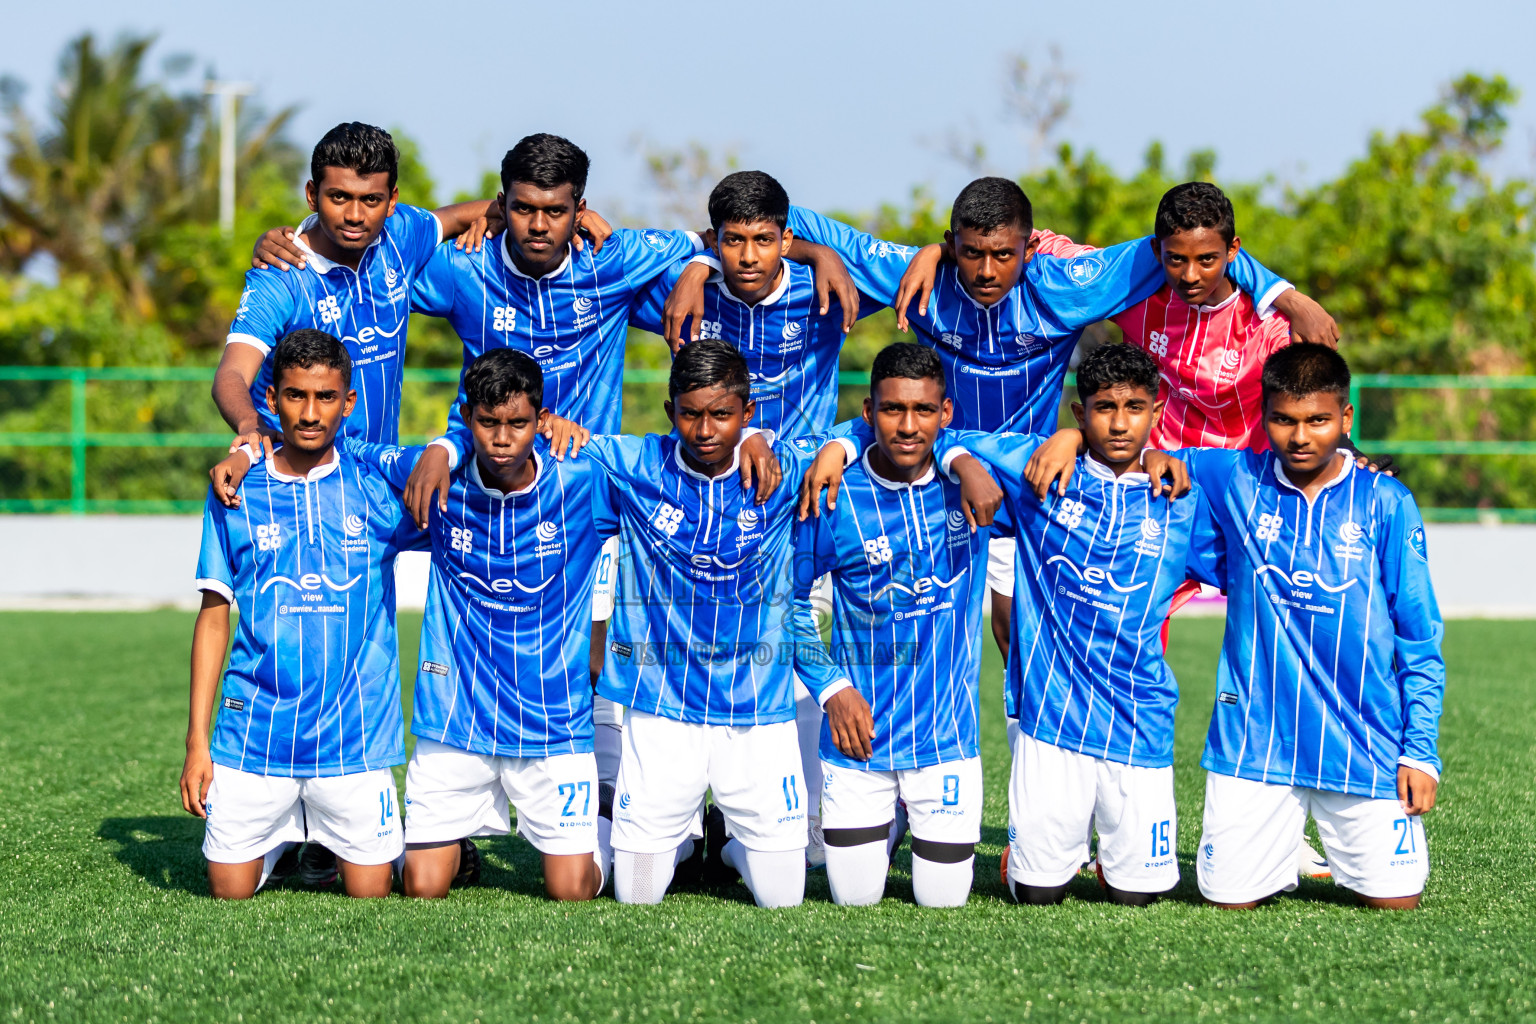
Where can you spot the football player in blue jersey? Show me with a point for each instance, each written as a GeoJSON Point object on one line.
{"type": "Point", "coordinates": [909, 580]}
{"type": "Point", "coordinates": [1331, 679]}
{"type": "Point", "coordinates": [768, 305]}
{"type": "Point", "coordinates": [309, 724]}
{"type": "Point", "coordinates": [1088, 689]}
{"type": "Point", "coordinates": [359, 254]}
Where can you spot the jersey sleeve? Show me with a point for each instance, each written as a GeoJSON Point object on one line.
{"type": "Point", "coordinates": [1262, 284]}
{"type": "Point", "coordinates": [815, 555]}
{"type": "Point", "coordinates": [650, 301]}
{"type": "Point", "coordinates": [875, 265]}
{"type": "Point", "coordinates": [1205, 560]}
{"type": "Point", "coordinates": [266, 309]}
{"type": "Point", "coordinates": [1417, 627]}
{"type": "Point", "coordinates": [620, 456]}
{"type": "Point", "coordinates": [648, 253]}
{"type": "Point", "coordinates": [215, 571]}
{"type": "Point", "coordinates": [393, 462]}
{"type": "Point", "coordinates": [433, 291]}
{"type": "Point", "coordinates": [1005, 455]}
{"type": "Point", "coordinates": [1049, 243]}
{"type": "Point", "coordinates": [418, 232]}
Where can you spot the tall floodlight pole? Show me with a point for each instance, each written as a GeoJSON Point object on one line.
{"type": "Point", "coordinates": [228, 93]}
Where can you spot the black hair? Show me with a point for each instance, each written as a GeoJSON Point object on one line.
{"type": "Point", "coordinates": [547, 161]}
{"type": "Point", "coordinates": [1306, 368]}
{"type": "Point", "coordinates": [308, 347]}
{"type": "Point", "coordinates": [495, 376]}
{"type": "Point", "coordinates": [908, 360]}
{"type": "Point", "coordinates": [1113, 364]}
{"type": "Point", "coordinates": [357, 147]}
{"type": "Point", "coordinates": [1195, 204]}
{"type": "Point", "coordinates": [987, 204]}
{"type": "Point", "coordinates": [709, 363]}
{"type": "Point", "coordinates": [747, 197]}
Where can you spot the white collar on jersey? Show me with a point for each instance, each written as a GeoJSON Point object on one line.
{"type": "Point", "coordinates": [319, 264]}
{"type": "Point", "coordinates": [1285, 481]}
{"type": "Point", "coordinates": [897, 485]}
{"type": "Point", "coordinates": [478, 481]}
{"type": "Point", "coordinates": [682, 464]}
{"type": "Point", "coordinates": [1237, 293]}
{"type": "Point", "coordinates": [325, 469]}
{"type": "Point", "coordinates": [779, 291]}
{"type": "Point", "coordinates": [511, 264]}
{"type": "Point", "coordinates": [1096, 468]}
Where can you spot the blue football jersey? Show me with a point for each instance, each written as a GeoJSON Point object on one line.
{"type": "Point", "coordinates": [1005, 363]}
{"type": "Point", "coordinates": [1330, 669]}
{"type": "Point", "coordinates": [573, 320]}
{"type": "Point", "coordinates": [909, 579]}
{"type": "Point", "coordinates": [707, 617]}
{"type": "Point", "coordinates": [313, 683]}
{"type": "Point", "coordinates": [366, 308]}
{"type": "Point", "coordinates": [505, 641]}
{"type": "Point", "coordinates": [790, 347]}
{"type": "Point", "coordinates": [1094, 576]}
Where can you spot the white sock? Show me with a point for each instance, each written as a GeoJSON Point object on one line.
{"type": "Point", "coordinates": [808, 716]}
{"type": "Point", "coordinates": [941, 885]}
{"type": "Point", "coordinates": [857, 873]}
{"type": "Point", "coordinates": [603, 855]}
{"type": "Point", "coordinates": [607, 740]}
{"type": "Point", "coordinates": [641, 877]}
{"type": "Point", "coordinates": [270, 861]}
{"type": "Point", "coordinates": [776, 879]}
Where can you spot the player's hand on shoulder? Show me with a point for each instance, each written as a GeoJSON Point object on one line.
{"type": "Point", "coordinates": [430, 477]}
{"type": "Point", "coordinates": [684, 303]}
{"type": "Point", "coordinates": [832, 278]}
{"type": "Point", "coordinates": [852, 723]}
{"type": "Point", "coordinates": [591, 227]}
{"type": "Point", "coordinates": [488, 225]}
{"type": "Point", "coordinates": [277, 248]}
{"type": "Point", "coordinates": [980, 497]}
{"type": "Point", "coordinates": [562, 434]}
{"type": "Point", "coordinates": [1383, 464]}
{"type": "Point", "coordinates": [1166, 472]}
{"type": "Point", "coordinates": [1054, 462]}
{"type": "Point", "coordinates": [227, 474]}
{"type": "Point", "coordinates": [1309, 320]}
{"type": "Point", "coordinates": [825, 474]}
{"type": "Point", "coordinates": [1415, 789]}
{"type": "Point", "coordinates": [758, 462]}
{"type": "Point", "coordinates": [196, 776]}
{"type": "Point", "coordinates": [917, 282]}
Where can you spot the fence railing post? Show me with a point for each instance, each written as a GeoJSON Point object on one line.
{"type": "Point", "coordinates": [77, 383]}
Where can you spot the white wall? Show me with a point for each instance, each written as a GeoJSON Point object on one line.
{"type": "Point", "coordinates": [81, 562]}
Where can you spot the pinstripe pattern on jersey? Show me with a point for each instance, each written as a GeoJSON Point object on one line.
{"type": "Point", "coordinates": [367, 308]}
{"type": "Point", "coordinates": [1331, 667]}
{"type": "Point", "coordinates": [312, 683]}
{"type": "Point", "coordinates": [908, 583]}
{"type": "Point", "coordinates": [707, 614]}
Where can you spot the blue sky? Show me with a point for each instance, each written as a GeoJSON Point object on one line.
{"type": "Point", "coordinates": [848, 104]}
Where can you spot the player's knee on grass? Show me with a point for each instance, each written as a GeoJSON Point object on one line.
{"type": "Point", "coordinates": [857, 862]}
{"type": "Point", "coordinates": [234, 881]}
{"type": "Point", "coordinates": [571, 877]}
{"type": "Point", "coordinates": [642, 878]}
{"type": "Point", "coordinates": [1126, 898]}
{"type": "Point", "coordinates": [775, 877]}
{"type": "Point", "coordinates": [1391, 902]}
{"type": "Point", "coordinates": [367, 881]}
{"type": "Point", "coordinates": [941, 872]}
{"type": "Point", "coordinates": [429, 869]}
{"type": "Point", "coordinates": [1040, 895]}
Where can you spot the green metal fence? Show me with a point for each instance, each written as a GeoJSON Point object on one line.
{"type": "Point", "coordinates": [79, 440]}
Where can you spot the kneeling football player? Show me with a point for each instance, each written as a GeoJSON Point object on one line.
{"type": "Point", "coordinates": [310, 724]}
{"type": "Point", "coordinates": [908, 582]}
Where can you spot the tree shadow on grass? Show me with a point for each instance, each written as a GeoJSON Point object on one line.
{"type": "Point", "coordinates": [166, 851]}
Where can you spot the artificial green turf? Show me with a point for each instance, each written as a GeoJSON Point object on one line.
{"type": "Point", "coordinates": [104, 912]}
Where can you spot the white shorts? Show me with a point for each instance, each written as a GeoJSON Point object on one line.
{"type": "Point", "coordinates": [452, 793]}
{"type": "Point", "coordinates": [1248, 842]}
{"type": "Point", "coordinates": [1000, 553]}
{"type": "Point", "coordinates": [354, 816]}
{"type": "Point", "coordinates": [943, 800]}
{"type": "Point", "coordinates": [606, 574]}
{"type": "Point", "coordinates": [667, 766]}
{"type": "Point", "coordinates": [1055, 795]}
